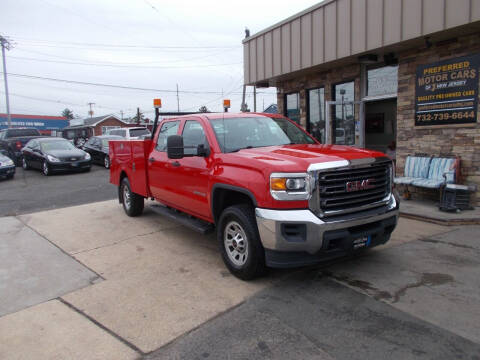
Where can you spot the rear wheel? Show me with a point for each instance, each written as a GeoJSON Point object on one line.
{"type": "Point", "coordinates": [132, 203]}
{"type": "Point", "coordinates": [239, 241]}
{"type": "Point", "coordinates": [25, 165]}
{"type": "Point", "coordinates": [46, 168]}
{"type": "Point", "coordinates": [106, 162]}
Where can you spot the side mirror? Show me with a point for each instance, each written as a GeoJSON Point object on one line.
{"type": "Point", "coordinates": [175, 147]}
{"type": "Point", "coordinates": [202, 150]}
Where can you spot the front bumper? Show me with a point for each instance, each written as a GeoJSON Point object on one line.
{"type": "Point", "coordinates": [70, 166]}
{"type": "Point", "coordinates": [7, 170]}
{"type": "Point", "coordinates": [298, 237]}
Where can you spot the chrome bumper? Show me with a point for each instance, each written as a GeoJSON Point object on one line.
{"type": "Point", "coordinates": [271, 226]}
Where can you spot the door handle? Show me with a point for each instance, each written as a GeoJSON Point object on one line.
{"type": "Point", "coordinates": [151, 159]}
{"type": "Point", "coordinates": [175, 164]}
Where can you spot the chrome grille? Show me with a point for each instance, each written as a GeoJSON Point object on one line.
{"type": "Point", "coordinates": [334, 197]}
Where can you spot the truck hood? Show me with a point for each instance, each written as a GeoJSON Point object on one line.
{"type": "Point", "coordinates": [299, 157]}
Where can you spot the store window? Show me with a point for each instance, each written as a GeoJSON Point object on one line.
{"type": "Point", "coordinates": [316, 113]}
{"type": "Point", "coordinates": [382, 81]}
{"type": "Point", "coordinates": [344, 114]}
{"type": "Point", "coordinates": [292, 107]}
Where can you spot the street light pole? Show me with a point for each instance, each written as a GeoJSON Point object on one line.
{"type": "Point", "coordinates": [6, 44]}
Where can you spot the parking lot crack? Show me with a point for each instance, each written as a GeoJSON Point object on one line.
{"type": "Point", "coordinates": [103, 327]}
{"type": "Point", "coordinates": [433, 241]}
{"type": "Point", "coordinates": [59, 248]}
{"type": "Point", "coordinates": [427, 279]}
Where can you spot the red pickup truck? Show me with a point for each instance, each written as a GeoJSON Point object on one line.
{"type": "Point", "coordinates": [276, 197]}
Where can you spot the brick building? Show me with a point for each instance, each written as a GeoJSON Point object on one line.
{"type": "Point", "coordinates": [370, 72]}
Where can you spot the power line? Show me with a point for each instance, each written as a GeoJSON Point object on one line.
{"type": "Point", "coordinates": [111, 85]}
{"type": "Point", "coordinates": [122, 66]}
{"type": "Point", "coordinates": [41, 42]}
{"type": "Point", "coordinates": [126, 63]}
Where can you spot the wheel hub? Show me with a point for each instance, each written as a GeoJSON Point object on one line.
{"type": "Point", "coordinates": [236, 244]}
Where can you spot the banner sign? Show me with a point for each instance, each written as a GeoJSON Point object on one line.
{"type": "Point", "coordinates": [446, 92]}
{"type": "Point", "coordinates": [40, 124]}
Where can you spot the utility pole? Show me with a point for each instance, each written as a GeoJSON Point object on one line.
{"type": "Point", "coordinates": [138, 115]}
{"type": "Point", "coordinates": [243, 107]}
{"type": "Point", "coordinates": [121, 115]}
{"type": "Point", "coordinates": [178, 101]}
{"type": "Point", "coordinates": [90, 112]}
{"type": "Point", "coordinates": [6, 45]}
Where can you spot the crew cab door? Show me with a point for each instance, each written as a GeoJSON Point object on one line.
{"type": "Point", "coordinates": [192, 174]}
{"type": "Point", "coordinates": [161, 169]}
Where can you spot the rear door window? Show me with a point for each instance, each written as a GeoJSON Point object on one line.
{"type": "Point", "coordinates": [168, 128]}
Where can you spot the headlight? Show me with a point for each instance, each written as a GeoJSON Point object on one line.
{"type": "Point", "coordinates": [290, 186]}
{"type": "Point", "coordinates": [52, 158]}
{"type": "Point", "coordinates": [6, 163]}
{"type": "Point", "coordinates": [87, 156]}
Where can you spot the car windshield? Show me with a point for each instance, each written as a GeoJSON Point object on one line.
{"type": "Point", "coordinates": [234, 134]}
{"type": "Point", "coordinates": [56, 145]}
{"type": "Point", "coordinates": [138, 132]}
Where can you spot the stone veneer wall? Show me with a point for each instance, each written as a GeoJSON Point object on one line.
{"type": "Point", "coordinates": [324, 79]}
{"type": "Point", "coordinates": [461, 140]}
{"type": "Point", "coordinates": [440, 140]}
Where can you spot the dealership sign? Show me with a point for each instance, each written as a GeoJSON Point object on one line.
{"type": "Point", "coordinates": [446, 92]}
{"type": "Point", "coordinates": [38, 123]}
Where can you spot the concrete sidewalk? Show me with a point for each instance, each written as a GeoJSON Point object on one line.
{"type": "Point", "coordinates": [131, 286]}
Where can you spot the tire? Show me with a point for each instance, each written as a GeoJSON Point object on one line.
{"type": "Point", "coordinates": [25, 165]}
{"type": "Point", "coordinates": [106, 162]}
{"type": "Point", "coordinates": [46, 169]}
{"type": "Point", "coordinates": [10, 176]}
{"type": "Point", "coordinates": [132, 203]}
{"type": "Point", "coordinates": [239, 241]}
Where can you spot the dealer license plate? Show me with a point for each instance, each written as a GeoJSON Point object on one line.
{"type": "Point", "coordinates": [362, 242]}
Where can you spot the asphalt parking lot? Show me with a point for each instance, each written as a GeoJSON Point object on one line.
{"type": "Point", "coordinates": [130, 288]}
{"type": "Point", "coordinates": [31, 191]}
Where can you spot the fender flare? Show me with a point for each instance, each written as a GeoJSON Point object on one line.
{"type": "Point", "coordinates": [232, 188]}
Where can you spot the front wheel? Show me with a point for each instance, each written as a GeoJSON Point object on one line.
{"type": "Point", "coordinates": [239, 241]}
{"type": "Point", "coordinates": [106, 162]}
{"type": "Point", "coordinates": [45, 168]}
{"type": "Point", "coordinates": [132, 203]}
{"type": "Point", "coordinates": [25, 165]}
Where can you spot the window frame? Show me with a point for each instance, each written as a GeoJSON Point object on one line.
{"type": "Point", "coordinates": [160, 129]}
{"type": "Point", "coordinates": [307, 95]}
{"type": "Point", "coordinates": [285, 104]}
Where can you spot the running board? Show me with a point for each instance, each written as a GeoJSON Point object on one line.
{"type": "Point", "coordinates": [198, 225]}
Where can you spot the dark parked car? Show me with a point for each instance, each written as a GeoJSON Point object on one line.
{"type": "Point", "coordinates": [97, 147]}
{"type": "Point", "coordinates": [13, 140]}
{"type": "Point", "coordinates": [54, 154]}
{"type": "Point", "coordinates": [7, 167]}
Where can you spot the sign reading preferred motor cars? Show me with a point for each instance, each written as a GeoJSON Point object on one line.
{"type": "Point", "coordinates": [446, 92]}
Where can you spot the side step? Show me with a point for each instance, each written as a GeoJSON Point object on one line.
{"type": "Point", "coordinates": [198, 225]}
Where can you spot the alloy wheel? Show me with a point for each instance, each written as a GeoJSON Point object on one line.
{"type": "Point", "coordinates": [46, 170]}
{"type": "Point", "coordinates": [236, 244]}
{"type": "Point", "coordinates": [126, 197]}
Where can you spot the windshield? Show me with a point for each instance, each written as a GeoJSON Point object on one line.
{"type": "Point", "coordinates": [56, 145]}
{"type": "Point", "coordinates": [234, 134]}
{"type": "Point", "coordinates": [138, 132]}
{"type": "Point", "coordinates": [106, 140]}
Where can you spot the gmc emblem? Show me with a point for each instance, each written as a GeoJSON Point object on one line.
{"type": "Point", "coordinates": [359, 185]}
